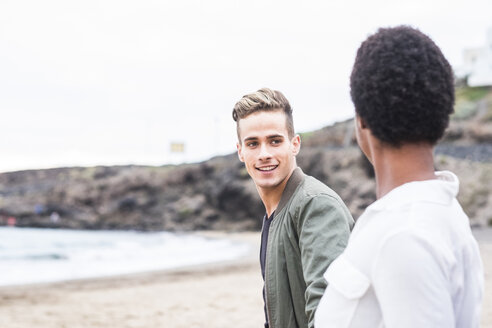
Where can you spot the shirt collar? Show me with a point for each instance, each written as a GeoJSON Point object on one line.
{"type": "Point", "coordinates": [441, 190]}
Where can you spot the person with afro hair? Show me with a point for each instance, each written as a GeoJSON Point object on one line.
{"type": "Point", "coordinates": [411, 260]}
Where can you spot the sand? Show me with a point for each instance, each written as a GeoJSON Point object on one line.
{"type": "Point", "coordinates": [219, 295]}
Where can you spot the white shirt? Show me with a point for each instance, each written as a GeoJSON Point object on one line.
{"type": "Point", "coordinates": [411, 261]}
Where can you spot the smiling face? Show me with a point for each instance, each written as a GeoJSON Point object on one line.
{"type": "Point", "coordinates": [266, 149]}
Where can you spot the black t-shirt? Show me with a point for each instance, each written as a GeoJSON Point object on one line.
{"type": "Point", "coordinates": [263, 249]}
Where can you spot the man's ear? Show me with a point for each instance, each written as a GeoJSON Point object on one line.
{"type": "Point", "coordinates": [296, 144]}
{"type": "Point", "coordinates": [360, 123]}
{"type": "Point", "coordinates": [239, 152]}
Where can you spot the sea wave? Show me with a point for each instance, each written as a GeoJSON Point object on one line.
{"type": "Point", "coordinates": [46, 255]}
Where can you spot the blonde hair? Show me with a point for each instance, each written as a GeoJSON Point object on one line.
{"type": "Point", "coordinates": [263, 100]}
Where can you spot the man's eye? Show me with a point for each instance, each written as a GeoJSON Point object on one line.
{"type": "Point", "coordinates": [276, 141]}
{"type": "Point", "coordinates": [252, 144]}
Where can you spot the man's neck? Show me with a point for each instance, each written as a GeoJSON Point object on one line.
{"type": "Point", "coordinates": [397, 166]}
{"type": "Point", "coordinates": [271, 196]}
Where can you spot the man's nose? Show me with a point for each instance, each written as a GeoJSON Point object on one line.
{"type": "Point", "coordinates": [265, 152]}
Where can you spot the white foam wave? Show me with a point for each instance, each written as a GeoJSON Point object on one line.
{"type": "Point", "coordinates": [46, 255]}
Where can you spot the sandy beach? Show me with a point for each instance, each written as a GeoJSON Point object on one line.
{"type": "Point", "coordinates": [220, 295]}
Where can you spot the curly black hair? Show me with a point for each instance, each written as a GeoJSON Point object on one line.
{"type": "Point", "coordinates": [402, 86]}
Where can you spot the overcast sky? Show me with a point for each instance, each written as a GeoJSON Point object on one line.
{"type": "Point", "coordinates": [105, 82]}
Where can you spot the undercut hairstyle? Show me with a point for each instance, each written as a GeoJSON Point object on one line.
{"type": "Point", "coordinates": [263, 100]}
{"type": "Point", "coordinates": [402, 86]}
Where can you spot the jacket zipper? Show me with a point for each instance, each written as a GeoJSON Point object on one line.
{"type": "Point", "coordinates": [270, 324]}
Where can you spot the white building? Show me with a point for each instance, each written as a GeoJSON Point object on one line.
{"type": "Point", "coordinates": [478, 64]}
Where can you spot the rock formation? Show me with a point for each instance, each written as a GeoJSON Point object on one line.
{"type": "Point", "coordinates": [218, 194]}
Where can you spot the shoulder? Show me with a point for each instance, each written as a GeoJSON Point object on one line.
{"type": "Point", "coordinates": [410, 250]}
{"type": "Point", "coordinates": [312, 191]}
{"type": "Point", "coordinates": [376, 250]}
{"type": "Point", "coordinates": [314, 202]}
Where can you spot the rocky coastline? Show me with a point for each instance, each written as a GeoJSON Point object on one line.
{"type": "Point", "coordinates": [219, 195]}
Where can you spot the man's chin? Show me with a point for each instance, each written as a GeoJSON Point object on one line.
{"type": "Point", "coordinates": [266, 184]}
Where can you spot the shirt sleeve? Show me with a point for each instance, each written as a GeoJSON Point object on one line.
{"type": "Point", "coordinates": [410, 281]}
{"type": "Point", "coordinates": [325, 224]}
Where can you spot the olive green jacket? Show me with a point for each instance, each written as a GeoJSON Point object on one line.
{"type": "Point", "coordinates": [310, 228]}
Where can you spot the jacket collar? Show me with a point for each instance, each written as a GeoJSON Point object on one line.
{"type": "Point", "coordinates": [296, 178]}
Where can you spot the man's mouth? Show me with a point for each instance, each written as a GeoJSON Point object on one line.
{"type": "Point", "coordinates": [267, 168]}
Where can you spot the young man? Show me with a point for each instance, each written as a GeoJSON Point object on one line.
{"type": "Point", "coordinates": [306, 225]}
{"type": "Point", "coordinates": [411, 260]}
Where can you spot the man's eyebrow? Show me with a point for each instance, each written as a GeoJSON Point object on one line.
{"type": "Point", "coordinates": [272, 136]}
{"type": "Point", "coordinates": [275, 136]}
{"type": "Point", "coordinates": [250, 139]}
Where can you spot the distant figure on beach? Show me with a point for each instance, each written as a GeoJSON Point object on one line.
{"type": "Point", "coordinates": [306, 225]}
{"type": "Point", "coordinates": [411, 260]}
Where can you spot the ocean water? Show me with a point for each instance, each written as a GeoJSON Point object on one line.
{"type": "Point", "coordinates": [46, 255]}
